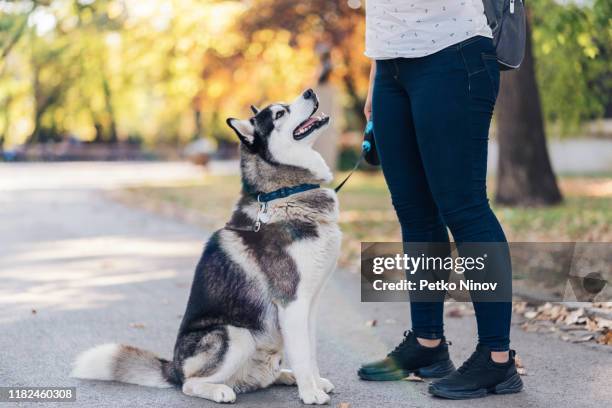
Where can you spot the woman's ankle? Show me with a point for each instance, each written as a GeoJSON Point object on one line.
{"type": "Point", "coordinates": [500, 357]}
{"type": "Point", "coordinates": [431, 343]}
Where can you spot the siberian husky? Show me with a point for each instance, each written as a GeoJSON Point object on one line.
{"type": "Point", "coordinates": [256, 286]}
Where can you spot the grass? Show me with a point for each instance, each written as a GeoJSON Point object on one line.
{"type": "Point", "coordinates": [367, 213]}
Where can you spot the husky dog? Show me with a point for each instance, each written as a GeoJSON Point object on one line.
{"type": "Point", "coordinates": [256, 286]}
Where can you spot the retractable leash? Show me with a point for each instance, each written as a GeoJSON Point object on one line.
{"type": "Point", "coordinates": [368, 152]}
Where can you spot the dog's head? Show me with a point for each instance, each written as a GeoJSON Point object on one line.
{"type": "Point", "coordinates": [276, 143]}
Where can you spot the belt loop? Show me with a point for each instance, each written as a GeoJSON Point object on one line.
{"type": "Point", "coordinates": [396, 75]}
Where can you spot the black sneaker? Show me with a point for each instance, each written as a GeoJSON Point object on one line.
{"type": "Point", "coordinates": [410, 357]}
{"type": "Point", "coordinates": [478, 377]}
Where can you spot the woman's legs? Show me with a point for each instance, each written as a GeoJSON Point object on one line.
{"type": "Point", "coordinates": [404, 173]}
{"type": "Point", "coordinates": [432, 118]}
{"type": "Point", "coordinates": [452, 98]}
{"type": "Point", "coordinates": [431, 122]}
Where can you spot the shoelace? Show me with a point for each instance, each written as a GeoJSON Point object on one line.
{"type": "Point", "coordinates": [469, 362]}
{"type": "Point", "coordinates": [402, 345]}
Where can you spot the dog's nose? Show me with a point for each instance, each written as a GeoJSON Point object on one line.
{"type": "Point", "coordinates": [309, 93]}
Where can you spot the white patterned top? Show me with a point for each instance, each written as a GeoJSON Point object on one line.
{"type": "Point", "coordinates": [415, 28]}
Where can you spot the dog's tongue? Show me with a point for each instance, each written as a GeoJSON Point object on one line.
{"type": "Point", "coordinates": [308, 122]}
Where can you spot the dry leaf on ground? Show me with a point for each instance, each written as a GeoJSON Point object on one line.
{"type": "Point", "coordinates": [583, 338]}
{"type": "Point", "coordinates": [413, 377]}
{"type": "Point", "coordinates": [604, 323]}
{"type": "Point", "coordinates": [605, 339]}
{"type": "Point", "coordinates": [579, 325]}
{"type": "Point", "coordinates": [137, 325]}
{"type": "Point", "coordinates": [520, 368]}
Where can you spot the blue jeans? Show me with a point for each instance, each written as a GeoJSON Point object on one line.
{"type": "Point", "coordinates": [431, 124]}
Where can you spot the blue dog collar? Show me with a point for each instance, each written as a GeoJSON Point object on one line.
{"type": "Point", "coordinates": [284, 192]}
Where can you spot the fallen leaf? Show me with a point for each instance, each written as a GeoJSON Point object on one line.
{"type": "Point", "coordinates": [520, 307]}
{"type": "Point", "coordinates": [604, 323]}
{"type": "Point", "coordinates": [344, 405]}
{"type": "Point", "coordinates": [529, 328]}
{"type": "Point", "coordinates": [137, 325]}
{"type": "Point", "coordinates": [605, 339]}
{"type": "Point", "coordinates": [545, 306]}
{"type": "Point", "coordinates": [371, 323]}
{"type": "Point", "coordinates": [583, 339]}
{"type": "Point", "coordinates": [413, 377]}
{"type": "Point", "coordinates": [520, 368]}
{"type": "Point", "coordinates": [591, 325]}
{"type": "Point", "coordinates": [531, 314]}
{"type": "Point", "coordinates": [575, 317]}
{"type": "Point", "coordinates": [571, 328]}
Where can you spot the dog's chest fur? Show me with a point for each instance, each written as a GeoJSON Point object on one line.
{"type": "Point", "coordinates": [296, 249]}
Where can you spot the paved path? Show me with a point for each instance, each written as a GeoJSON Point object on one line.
{"type": "Point", "coordinates": [78, 270]}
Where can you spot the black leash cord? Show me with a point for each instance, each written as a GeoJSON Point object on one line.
{"type": "Point", "coordinates": [361, 156]}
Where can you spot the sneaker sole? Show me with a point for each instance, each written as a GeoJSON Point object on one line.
{"type": "Point", "coordinates": [512, 385]}
{"type": "Point", "coordinates": [437, 370]}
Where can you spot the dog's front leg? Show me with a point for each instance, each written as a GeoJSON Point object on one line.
{"type": "Point", "coordinates": [323, 383]}
{"type": "Point", "coordinates": [294, 328]}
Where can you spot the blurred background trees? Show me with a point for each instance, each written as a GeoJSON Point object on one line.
{"type": "Point", "coordinates": [564, 81]}
{"type": "Point", "coordinates": [573, 49]}
{"type": "Point", "coordinates": [164, 72]}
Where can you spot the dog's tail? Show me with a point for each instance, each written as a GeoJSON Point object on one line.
{"type": "Point", "coordinates": [118, 362]}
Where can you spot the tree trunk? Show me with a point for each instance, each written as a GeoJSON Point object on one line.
{"type": "Point", "coordinates": [43, 100]}
{"type": "Point", "coordinates": [7, 123]}
{"type": "Point", "coordinates": [327, 143]}
{"type": "Point", "coordinates": [525, 176]}
{"type": "Point", "coordinates": [110, 112]}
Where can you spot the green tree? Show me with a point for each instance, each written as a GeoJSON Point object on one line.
{"type": "Point", "coordinates": [572, 44]}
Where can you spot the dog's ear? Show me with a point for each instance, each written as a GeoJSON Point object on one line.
{"type": "Point", "coordinates": [254, 109]}
{"type": "Point", "coordinates": [244, 129]}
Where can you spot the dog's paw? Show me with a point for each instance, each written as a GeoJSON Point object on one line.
{"type": "Point", "coordinates": [223, 393]}
{"type": "Point", "coordinates": [285, 377]}
{"type": "Point", "coordinates": [326, 385]}
{"type": "Point", "coordinates": [213, 392]}
{"type": "Point", "coordinates": [314, 397]}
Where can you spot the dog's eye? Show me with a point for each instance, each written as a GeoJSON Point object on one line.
{"type": "Point", "coordinates": [279, 114]}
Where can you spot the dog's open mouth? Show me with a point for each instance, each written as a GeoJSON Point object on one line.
{"type": "Point", "coordinates": [310, 125]}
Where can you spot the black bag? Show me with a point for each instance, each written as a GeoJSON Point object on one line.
{"type": "Point", "coordinates": [507, 21]}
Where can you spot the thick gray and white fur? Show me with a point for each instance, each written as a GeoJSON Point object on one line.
{"type": "Point", "coordinates": [254, 294]}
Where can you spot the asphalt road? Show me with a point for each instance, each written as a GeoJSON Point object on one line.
{"type": "Point", "coordinates": [78, 270]}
